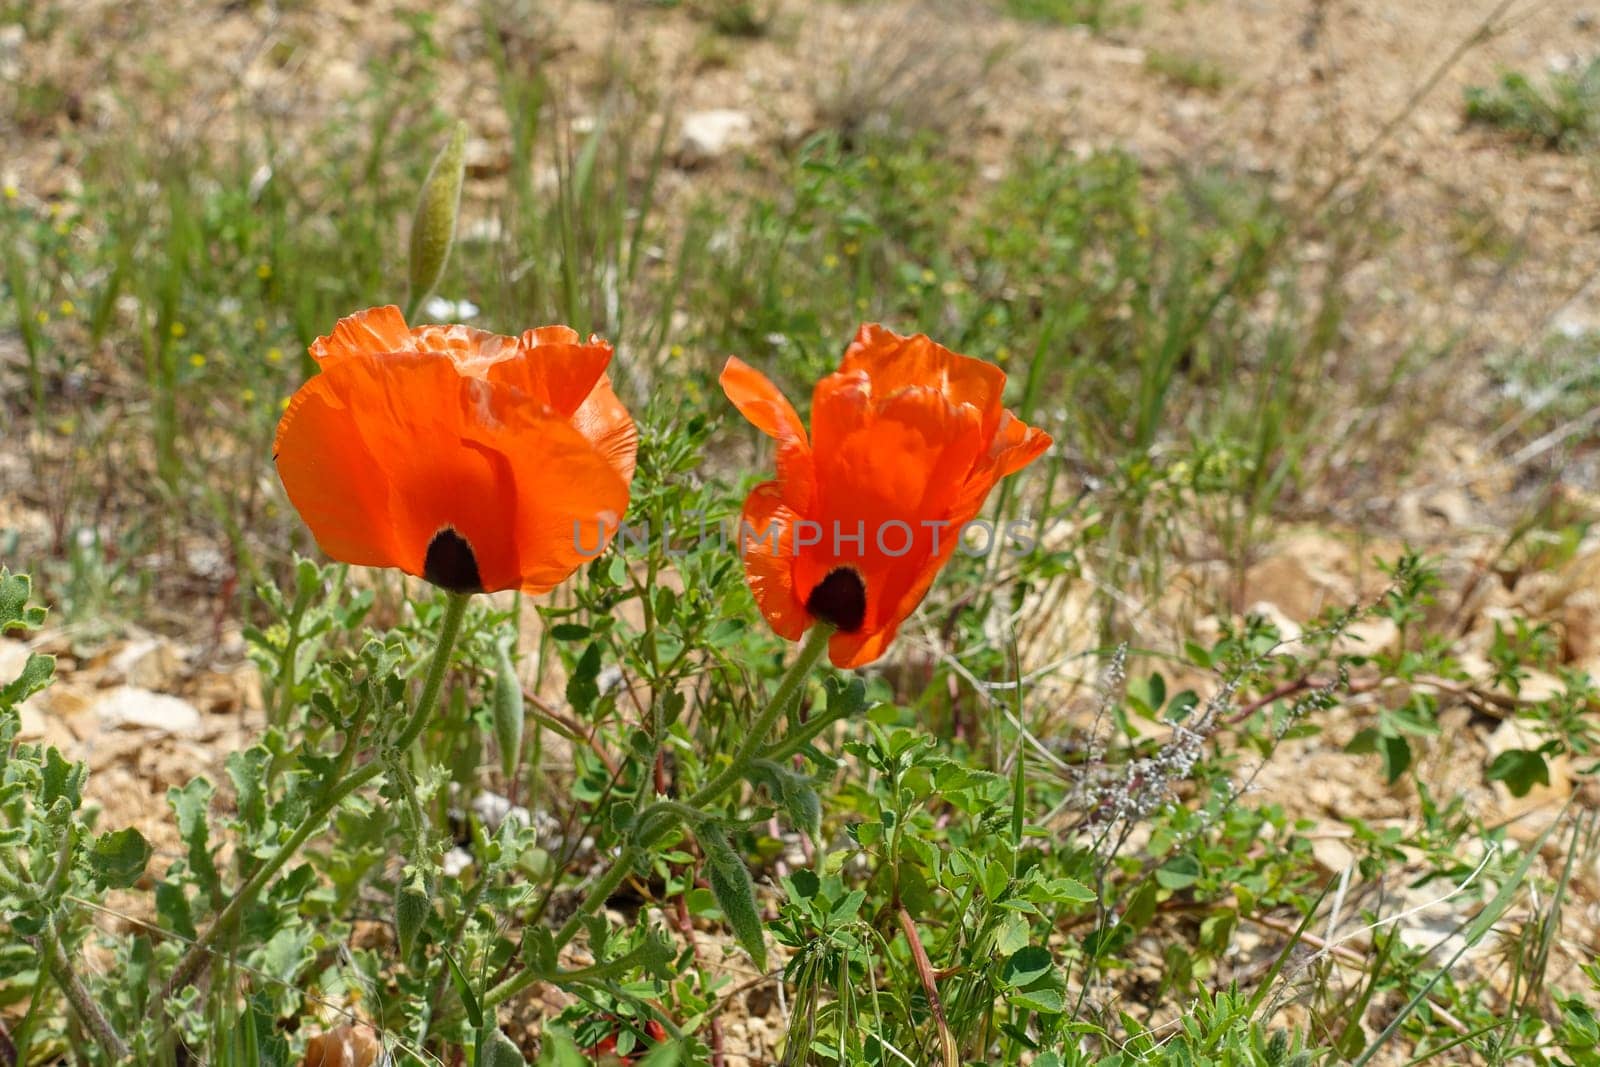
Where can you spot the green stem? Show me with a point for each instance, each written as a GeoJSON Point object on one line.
{"type": "Point", "coordinates": [816, 643]}
{"type": "Point", "coordinates": [88, 1011]}
{"type": "Point", "coordinates": [199, 954]}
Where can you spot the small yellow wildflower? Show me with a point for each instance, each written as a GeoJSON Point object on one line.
{"type": "Point", "coordinates": [830, 261]}
{"type": "Point", "coordinates": [676, 351]}
{"type": "Point", "coordinates": [43, 316]}
{"type": "Point", "coordinates": [928, 277]}
{"type": "Point", "coordinates": [1002, 353]}
{"type": "Point", "coordinates": [261, 325]}
{"type": "Point", "coordinates": [264, 271]}
{"type": "Point", "coordinates": [68, 309]}
{"type": "Point", "coordinates": [274, 355]}
{"type": "Point", "coordinates": [861, 303]}
{"type": "Point", "coordinates": [11, 191]}
{"type": "Point", "coordinates": [178, 329]}
{"type": "Point", "coordinates": [197, 361]}
{"type": "Point", "coordinates": [851, 248]}
{"type": "Point", "coordinates": [247, 396]}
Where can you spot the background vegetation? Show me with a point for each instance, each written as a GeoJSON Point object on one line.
{"type": "Point", "coordinates": [1161, 790]}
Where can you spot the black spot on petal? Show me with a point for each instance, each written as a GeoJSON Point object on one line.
{"type": "Point", "coordinates": [450, 564]}
{"type": "Point", "coordinates": [840, 599]}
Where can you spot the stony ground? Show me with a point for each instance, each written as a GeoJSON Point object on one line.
{"type": "Point", "coordinates": [1321, 96]}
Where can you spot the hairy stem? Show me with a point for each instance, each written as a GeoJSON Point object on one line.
{"type": "Point", "coordinates": [199, 954]}
{"type": "Point", "coordinates": [816, 643]}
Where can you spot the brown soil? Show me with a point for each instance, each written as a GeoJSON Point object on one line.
{"type": "Point", "coordinates": [1324, 98]}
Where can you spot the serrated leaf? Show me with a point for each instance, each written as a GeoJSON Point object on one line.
{"type": "Point", "coordinates": [247, 771]}
{"type": "Point", "coordinates": [60, 780]}
{"type": "Point", "coordinates": [35, 676]}
{"type": "Point", "coordinates": [14, 611]}
{"type": "Point", "coordinates": [117, 860]}
{"type": "Point", "coordinates": [191, 804]}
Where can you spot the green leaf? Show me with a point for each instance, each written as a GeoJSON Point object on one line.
{"type": "Point", "coordinates": [191, 805]}
{"type": "Point", "coordinates": [730, 883]}
{"type": "Point", "coordinates": [665, 1054]}
{"type": "Point", "coordinates": [14, 611]}
{"type": "Point", "coordinates": [35, 676]}
{"type": "Point", "coordinates": [582, 687]}
{"type": "Point", "coordinates": [1520, 769]}
{"type": "Point", "coordinates": [1027, 965]}
{"type": "Point", "coordinates": [117, 860]}
{"type": "Point", "coordinates": [1179, 872]}
{"type": "Point", "coordinates": [557, 1050]}
{"type": "Point", "coordinates": [508, 710]}
{"type": "Point", "coordinates": [499, 1051]}
{"type": "Point", "coordinates": [464, 990]}
{"type": "Point", "coordinates": [61, 780]}
{"type": "Point", "coordinates": [247, 771]}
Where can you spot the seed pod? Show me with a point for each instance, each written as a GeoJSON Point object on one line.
{"type": "Point", "coordinates": [433, 228]}
{"type": "Point", "coordinates": [412, 906]}
{"type": "Point", "coordinates": [508, 711]}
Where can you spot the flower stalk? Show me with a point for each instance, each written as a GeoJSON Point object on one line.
{"type": "Point", "coordinates": [654, 820]}
{"type": "Point", "coordinates": [194, 961]}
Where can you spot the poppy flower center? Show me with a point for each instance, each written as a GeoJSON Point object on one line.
{"type": "Point", "coordinates": [450, 564]}
{"type": "Point", "coordinates": [841, 599]}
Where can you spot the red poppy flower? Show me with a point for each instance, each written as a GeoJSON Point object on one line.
{"type": "Point", "coordinates": [476, 461]}
{"type": "Point", "coordinates": [907, 438]}
{"type": "Point", "coordinates": [604, 1051]}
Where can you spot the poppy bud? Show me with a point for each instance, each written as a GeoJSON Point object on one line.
{"type": "Point", "coordinates": [433, 229]}
{"type": "Point", "coordinates": [508, 710]}
{"type": "Point", "coordinates": [412, 906]}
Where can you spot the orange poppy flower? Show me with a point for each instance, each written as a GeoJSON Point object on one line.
{"type": "Point", "coordinates": [476, 461]}
{"type": "Point", "coordinates": [907, 438]}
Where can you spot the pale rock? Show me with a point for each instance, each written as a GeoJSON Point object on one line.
{"type": "Point", "coordinates": [130, 707]}
{"type": "Point", "coordinates": [1288, 629]}
{"type": "Point", "coordinates": [1368, 637]}
{"type": "Point", "coordinates": [493, 810]}
{"type": "Point", "coordinates": [13, 654]}
{"type": "Point", "coordinates": [148, 663]}
{"type": "Point", "coordinates": [485, 159]}
{"type": "Point", "coordinates": [455, 861]}
{"type": "Point", "coordinates": [1332, 855]}
{"type": "Point", "coordinates": [707, 135]}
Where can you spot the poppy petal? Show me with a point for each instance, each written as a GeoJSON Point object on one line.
{"type": "Point", "coordinates": [332, 476]}
{"type": "Point", "coordinates": [609, 428]}
{"type": "Point", "coordinates": [399, 460]}
{"type": "Point", "coordinates": [474, 351]}
{"type": "Point", "coordinates": [894, 363]}
{"type": "Point", "coordinates": [766, 541]}
{"type": "Point", "coordinates": [558, 374]}
{"type": "Point", "coordinates": [859, 649]}
{"type": "Point", "coordinates": [373, 332]}
{"type": "Point", "coordinates": [761, 402]}
{"type": "Point", "coordinates": [569, 501]}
